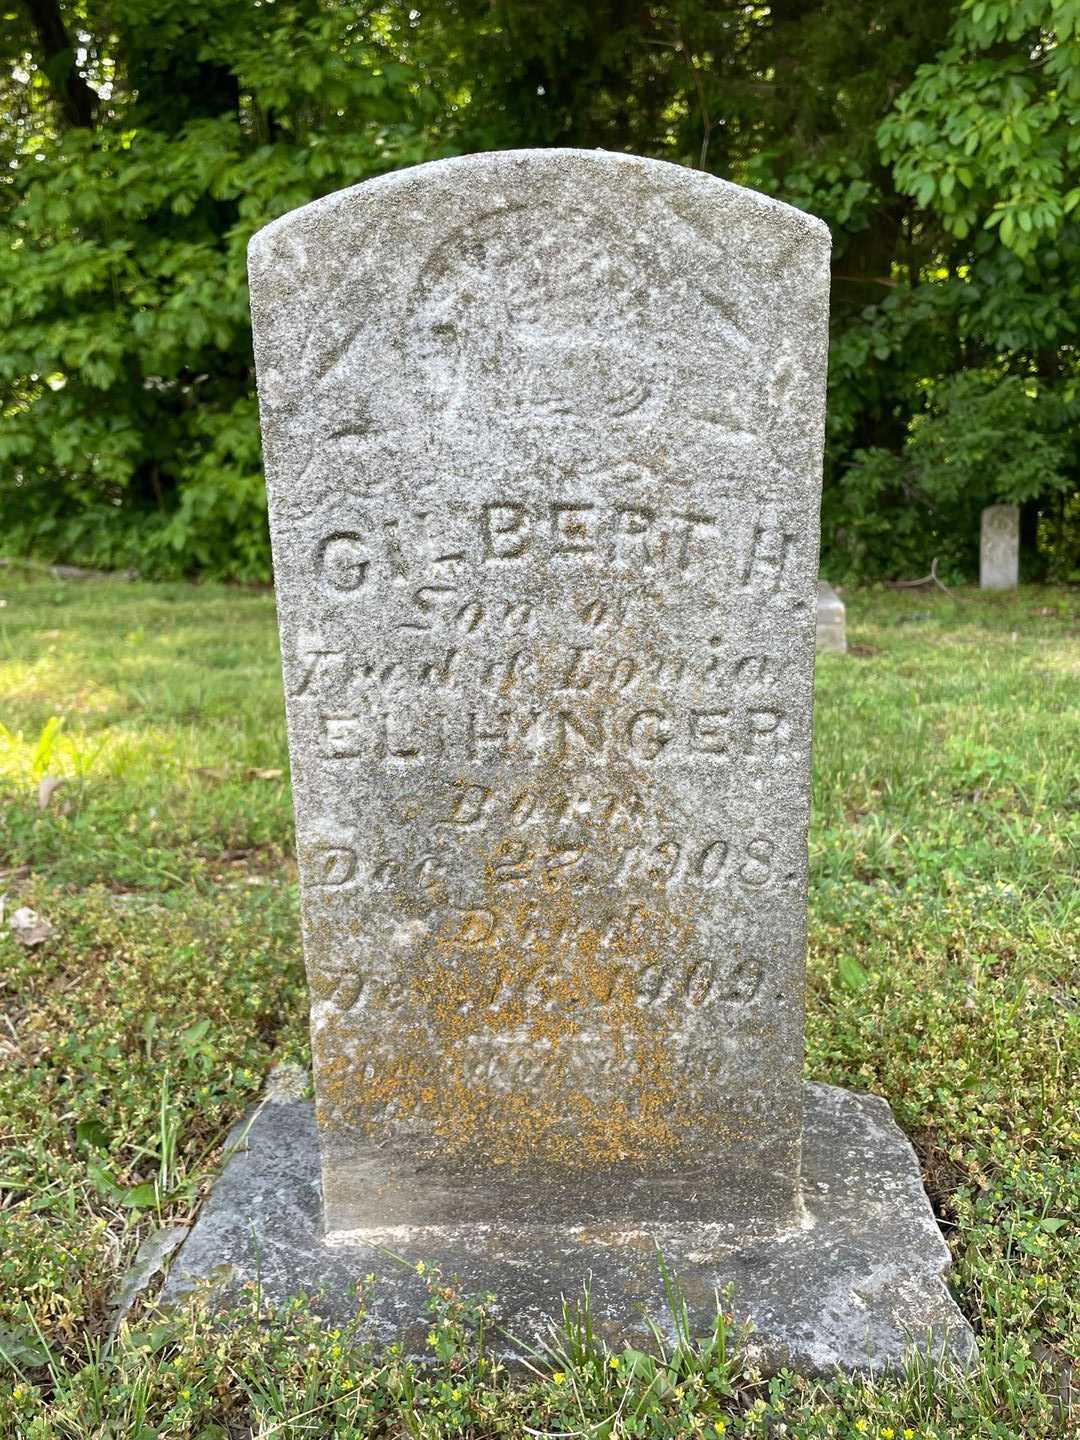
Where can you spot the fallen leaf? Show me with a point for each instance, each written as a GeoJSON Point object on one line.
{"type": "Point", "coordinates": [28, 927]}
{"type": "Point", "coordinates": [47, 788]}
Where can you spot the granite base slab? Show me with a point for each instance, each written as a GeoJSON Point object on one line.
{"type": "Point", "coordinates": [858, 1284]}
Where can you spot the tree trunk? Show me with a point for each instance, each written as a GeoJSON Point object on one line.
{"type": "Point", "coordinates": [78, 102]}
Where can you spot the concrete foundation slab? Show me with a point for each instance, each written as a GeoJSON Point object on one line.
{"type": "Point", "coordinates": [859, 1283]}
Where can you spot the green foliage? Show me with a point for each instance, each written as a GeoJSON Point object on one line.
{"type": "Point", "coordinates": [986, 134]}
{"type": "Point", "coordinates": [939, 141]}
{"type": "Point", "coordinates": [130, 430]}
{"type": "Point", "coordinates": [979, 439]}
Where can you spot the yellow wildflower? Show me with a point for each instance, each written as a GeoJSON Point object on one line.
{"type": "Point", "coordinates": [559, 1376]}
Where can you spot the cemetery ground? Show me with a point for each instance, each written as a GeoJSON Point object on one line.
{"type": "Point", "coordinates": [943, 975]}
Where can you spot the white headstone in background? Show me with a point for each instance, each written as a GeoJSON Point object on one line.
{"type": "Point", "coordinates": [999, 551]}
{"type": "Point", "coordinates": [831, 615]}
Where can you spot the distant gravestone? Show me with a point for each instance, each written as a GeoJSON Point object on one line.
{"type": "Point", "coordinates": [999, 551]}
{"type": "Point", "coordinates": [543, 441]}
{"type": "Point", "coordinates": [831, 619]}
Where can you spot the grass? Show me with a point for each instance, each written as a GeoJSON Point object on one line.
{"type": "Point", "coordinates": [945, 913]}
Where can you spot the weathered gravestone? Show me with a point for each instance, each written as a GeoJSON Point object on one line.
{"type": "Point", "coordinates": [999, 550]}
{"type": "Point", "coordinates": [831, 619]}
{"type": "Point", "coordinates": [543, 437]}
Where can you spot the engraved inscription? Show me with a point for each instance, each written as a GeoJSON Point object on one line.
{"type": "Point", "coordinates": [511, 659]}
{"type": "Point", "coordinates": [541, 432]}
{"type": "Point", "coordinates": [574, 531]}
{"type": "Point", "coordinates": [331, 866]}
{"type": "Point", "coordinates": [692, 981]}
{"type": "Point", "coordinates": [576, 856]}
{"type": "Point", "coordinates": [344, 561]}
{"type": "Point", "coordinates": [560, 733]}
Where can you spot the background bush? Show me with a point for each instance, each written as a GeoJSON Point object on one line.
{"type": "Point", "coordinates": [143, 143]}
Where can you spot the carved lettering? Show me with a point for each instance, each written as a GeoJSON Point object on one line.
{"type": "Point", "coordinates": [634, 542]}
{"type": "Point", "coordinates": [505, 532]}
{"type": "Point", "coordinates": [765, 558]}
{"type": "Point", "coordinates": [647, 734]}
{"type": "Point", "coordinates": [485, 736]}
{"type": "Point", "coordinates": [578, 732]}
{"type": "Point", "coordinates": [343, 561]}
{"type": "Point", "coordinates": [710, 731]}
{"type": "Point", "coordinates": [573, 678]}
{"type": "Point", "coordinates": [341, 737]}
{"type": "Point", "coordinates": [331, 866]}
{"type": "Point", "coordinates": [425, 602]}
{"type": "Point", "coordinates": [469, 805]}
{"type": "Point", "coordinates": [751, 670]}
{"type": "Point", "coordinates": [311, 664]}
{"type": "Point", "coordinates": [581, 530]}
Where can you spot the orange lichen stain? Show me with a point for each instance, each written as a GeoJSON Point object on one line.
{"type": "Point", "coordinates": [538, 1051]}
{"type": "Point", "coordinates": [549, 1036]}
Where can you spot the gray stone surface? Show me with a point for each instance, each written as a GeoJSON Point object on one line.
{"type": "Point", "coordinates": [543, 438]}
{"type": "Point", "coordinates": [831, 619]}
{"type": "Point", "coordinates": [857, 1282]}
{"type": "Point", "coordinates": [999, 549]}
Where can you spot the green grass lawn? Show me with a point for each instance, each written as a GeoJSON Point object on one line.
{"type": "Point", "coordinates": [945, 919]}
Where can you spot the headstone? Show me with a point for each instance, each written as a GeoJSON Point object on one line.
{"type": "Point", "coordinates": [543, 439]}
{"type": "Point", "coordinates": [544, 496]}
{"type": "Point", "coordinates": [831, 618]}
{"type": "Point", "coordinates": [999, 551]}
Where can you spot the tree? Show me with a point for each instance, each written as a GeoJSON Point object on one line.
{"type": "Point", "coordinates": [985, 142]}
{"type": "Point", "coordinates": [146, 142]}
{"type": "Point", "coordinates": [130, 431]}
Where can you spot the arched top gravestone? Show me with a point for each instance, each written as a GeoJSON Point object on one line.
{"type": "Point", "coordinates": [543, 442]}
{"type": "Point", "coordinates": [543, 454]}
